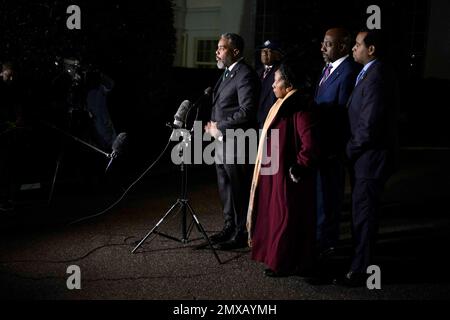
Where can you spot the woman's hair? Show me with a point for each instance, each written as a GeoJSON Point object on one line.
{"type": "Point", "coordinates": [295, 74]}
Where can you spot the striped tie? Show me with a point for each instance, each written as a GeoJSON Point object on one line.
{"type": "Point", "coordinates": [266, 72]}
{"type": "Point", "coordinates": [326, 73]}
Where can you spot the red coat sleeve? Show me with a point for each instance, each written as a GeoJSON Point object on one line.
{"type": "Point", "coordinates": [305, 126]}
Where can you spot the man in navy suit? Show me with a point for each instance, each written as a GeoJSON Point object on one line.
{"type": "Point", "coordinates": [271, 55]}
{"type": "Point", "coordinates": [332, 93]}
{"type": "Point", "coordinates": [234, 106]}
{"type": "Point", "coordinates": [372, 148]}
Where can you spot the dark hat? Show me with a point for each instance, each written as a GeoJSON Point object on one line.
{"type": "Point", "coordinates": [273, 45]}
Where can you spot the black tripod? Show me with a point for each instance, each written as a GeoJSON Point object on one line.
{"type": "Point", "coordinates": [184, 207]}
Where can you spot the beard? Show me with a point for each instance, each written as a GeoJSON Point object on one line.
{"type": "Point", "coordinates": [221, 64]}
{"type": "Point", "coordinates": [225, 62]}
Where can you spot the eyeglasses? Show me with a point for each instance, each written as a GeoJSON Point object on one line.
{"type": "Point", "coordinates": [327, 44]}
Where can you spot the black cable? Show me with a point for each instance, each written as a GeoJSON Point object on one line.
{"type": "Point", "coordinates": [68, 260]}
{"type": "Point", "coordinates": [11, 274]}
{"type": "Point", "coordinates": [126, 191]}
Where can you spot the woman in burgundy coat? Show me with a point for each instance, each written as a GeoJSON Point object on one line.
{"type": "Point", "coordinates": [281, 216]}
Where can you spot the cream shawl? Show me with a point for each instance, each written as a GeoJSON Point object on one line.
{"type": "Point", "coordinates": [270, 117]}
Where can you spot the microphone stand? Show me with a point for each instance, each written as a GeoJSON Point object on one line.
{"type": "Point", "coordinates": [111, 156]}
{"type": "Point", "coordinates": [183, 206]}
{"type": "Point", "coordinates": [77, 139]}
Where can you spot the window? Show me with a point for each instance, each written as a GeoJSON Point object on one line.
{"type": "Point", "coordinates": [206, 53]}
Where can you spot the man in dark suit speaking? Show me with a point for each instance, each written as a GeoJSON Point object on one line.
{"type": "Point", "coordinates": [233, 107]}
{"type": "Point", "coordinates": [372, 148]}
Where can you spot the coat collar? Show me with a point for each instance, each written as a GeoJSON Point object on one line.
{"type": "Point", "coordinates": [333, 76]}
{"type": "Point", "coordinates": [222, 83]}
{"type": "Point", "coordinates": [368, 71]}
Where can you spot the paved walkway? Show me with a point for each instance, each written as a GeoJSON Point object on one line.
{"type": "Point", "coordinates": [37, 246]}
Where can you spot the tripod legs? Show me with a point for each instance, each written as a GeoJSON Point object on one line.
{"type": "Point", "coordinates": [185, 207]}
{"type": "Point", "coordinates": [202, 231]}
{"type": "Point", "coordinates": [156, 226]}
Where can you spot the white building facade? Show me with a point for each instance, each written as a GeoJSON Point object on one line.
{"type": "Point", "coordinates": [199, 24]}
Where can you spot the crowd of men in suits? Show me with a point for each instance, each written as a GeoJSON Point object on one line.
{"type": "Point", "coordinates": [356, 101]}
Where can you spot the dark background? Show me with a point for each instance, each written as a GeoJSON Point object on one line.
{"type": "Point", "coordinates": [134, 42]}
{"type": "Point", "coordinates": [300, 25]}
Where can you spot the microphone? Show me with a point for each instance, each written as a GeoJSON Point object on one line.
{"type": "Point", "coordinates": [180, 116]}
{"type": "Point", "coordinates": [208, 91]}
{"type": "Point", "coordinates": [118, 147]}
{"type": "Point", "coordinates": [184, 109]}
{"type": "Point", "coordinates": [119, 144]}
{"type": "Point", "coordinates": [206, 94]}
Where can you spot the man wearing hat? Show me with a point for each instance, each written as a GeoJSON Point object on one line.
{"type": "Point", "coordinates": [271, 55]}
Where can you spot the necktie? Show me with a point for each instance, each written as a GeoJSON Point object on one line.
{"type": "Point", "coordinates": [266, 72]}
{"type": "Point", "coordinates": [326, 73]}
{"type": "Point", "coordinates": [226, 73]}
{"type": "Point", "coordinates": [360, 76]}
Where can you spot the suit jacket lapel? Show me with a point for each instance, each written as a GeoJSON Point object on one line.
{"type": "Point", "coordinates": [329, 80]}
{"type": "Point", "coordinates": [222, 83]}
{"type": "Point", "coordinates": [265, 83]}
{"type": "Point", "coordinates": [326, 83]}
{"type": "Point", "coordinates": [360, 82]}
{"type": "Point", "coordinates": [333, 76]}
{"type": "Point", "coordinates": [366, 73]}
